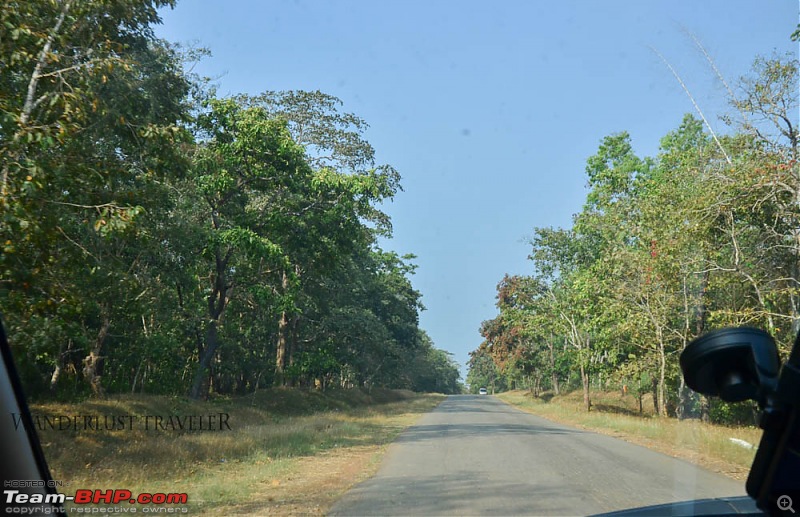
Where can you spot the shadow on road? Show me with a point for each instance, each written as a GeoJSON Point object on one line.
{"type": "Point", "coordinates": [474, 404]}
{"type": "Point", "coordinates": [450, 431]}
{"type": "Point", "coordinates": [467, 494]}
{"type": "Point", "coordinates": [472, 408]}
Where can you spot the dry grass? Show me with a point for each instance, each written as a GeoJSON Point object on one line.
{"type": "Point", "coordinates": [704, 444]}
{"type": "Point", "coordinates": [277, 439]}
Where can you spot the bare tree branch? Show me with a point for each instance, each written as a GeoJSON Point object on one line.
{"type": "Point", "coordinates": [27, 108]}
{"type": "Point", "coordinates": [694, 103]}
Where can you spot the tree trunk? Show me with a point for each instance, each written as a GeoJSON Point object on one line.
{"type": "Point", "coordinates": [60, 363]}
{"type": "Point", "coordinates": [702, 317]}
{"type": "Point", "coordinates": [291, 345]}
{"type": "Point", "coordinates": [280, 359]}
{"type": "Point", "coordinates": [200, 383]}
{"type": "Point", "coordinates": [281, 346]}
{"type": "Point", "coordinates": [293, 349]}
{"type": "Point", "coordinates": [587, 403]}
{"type": "Point", "coordinates": [217, 301]}
{"type": "Point", "coordinates": [662, 377]}
{"type": "Point", "coordinates": [654, 391]}
{"type": "Point", "coordinates": [136, 376]}
{"type": "Point", "coordinates": [554, 373]}
{"type": "Point", "coordinates": [556, 390]}
{"type": "Point", "coordinates": [683, 400]}
{"type": "Point", "coordinates": [704, 409]}
{"type": "Point", "coordinates": [93, 363]}
{"type": "Point", "coordinates": [54, 377]}
{"type": "Point", "coordinates": [702, 308]}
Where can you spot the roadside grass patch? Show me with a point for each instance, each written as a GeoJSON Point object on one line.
{"type": "Point", "coordinates": [708, 445]}
{"type": "Point", "coordinates": [270, 433]}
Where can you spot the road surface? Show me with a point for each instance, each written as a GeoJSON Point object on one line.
{"type": "Point", "coordinates": [475, 455]}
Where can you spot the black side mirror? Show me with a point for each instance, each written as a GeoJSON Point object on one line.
{"type": "Point", "coordinates": [734, 364]}
{"type": "Point", "coordinates": [742, 363]}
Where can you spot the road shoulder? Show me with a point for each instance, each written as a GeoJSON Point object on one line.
{"type": "Point", "coordinates": [707, 461]}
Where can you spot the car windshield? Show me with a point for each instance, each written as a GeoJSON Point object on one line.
{"type": "Point", "coordinates": [253, 253]}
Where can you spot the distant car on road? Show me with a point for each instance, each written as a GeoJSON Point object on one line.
{"type": "Point", "coordinates": [483, 391]}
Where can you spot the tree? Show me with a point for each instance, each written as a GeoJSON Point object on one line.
{"type": "Point", "coordinates": [482, 371]}
{"type": "Point", "coordinates": [248, 171]}
{"type": "Point", "coordinates": [150, 229]}
{"type": "Point", "coordinates": [434, 370]}
{"type": "Point", "coordinates": [700, 236]}
{"type": "Point", "coordinates": [90, 108]}
{"type": "Point", "coordinates": [347, 186]}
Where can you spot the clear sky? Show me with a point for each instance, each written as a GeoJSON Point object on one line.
{"type": "Point", "coordinates": [488, 109]}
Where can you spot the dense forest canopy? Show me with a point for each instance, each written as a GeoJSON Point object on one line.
{"type": "Point", "coordinates": [158, 238]}
{"type": "Point", "coordinates": [703, 235]}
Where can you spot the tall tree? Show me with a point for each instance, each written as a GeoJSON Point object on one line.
{"type": "Point", "coordinates": [90, 107]}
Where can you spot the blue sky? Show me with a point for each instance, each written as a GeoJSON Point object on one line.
{"type": "Point", "coordinates": [488, 110]}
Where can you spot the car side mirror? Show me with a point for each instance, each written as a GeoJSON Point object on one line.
{"type": "Point", "coordinates": [742, 363]}
{"type": "Point", "coordinates": [734, 364]}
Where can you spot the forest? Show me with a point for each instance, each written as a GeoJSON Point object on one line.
{"type": "Point", "coordinates": [158, 238]}
{"type": "Point", "coordinates": [704, 235]}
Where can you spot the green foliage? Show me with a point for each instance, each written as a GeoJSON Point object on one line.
{"type": "Point", "coordinates": [157, 238]}
{"type": "Point", "coordinates": [483, 372]}
{"type": "Point", "coordinates": [434, 370]}
{"type": "Point", "coordinates": [702, 235]}
{"type": "Point", "coordinates": [740, 413]}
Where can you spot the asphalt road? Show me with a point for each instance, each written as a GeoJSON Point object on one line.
{"type": "Point", "coordinates": [475, 455]}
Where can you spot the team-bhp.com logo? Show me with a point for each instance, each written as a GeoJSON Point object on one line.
{"type": "Point", "coordinates": [116, 498]}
